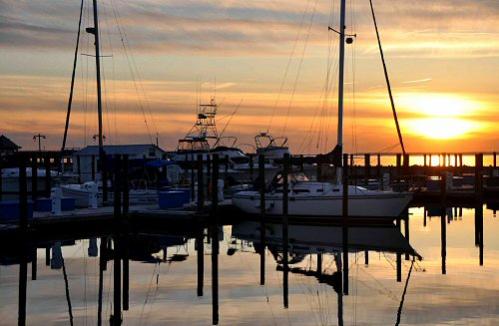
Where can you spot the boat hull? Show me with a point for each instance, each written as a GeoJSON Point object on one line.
{"type": "Point", "coordinates": [373, 205]}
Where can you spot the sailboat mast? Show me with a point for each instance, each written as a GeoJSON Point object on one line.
{"type": "Point", "coordinates": [341, 74]}
{"type": "Point", "coordinates": [99, 92]}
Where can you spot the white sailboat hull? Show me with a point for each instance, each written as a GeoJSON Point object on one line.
{"type": "Point", "coordinates": [382, 204]}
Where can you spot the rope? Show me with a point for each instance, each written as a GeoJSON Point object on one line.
{"type": "Point", "coordinates": [286, 70]}
{"type": "Point", "coordinates": [299, 67]}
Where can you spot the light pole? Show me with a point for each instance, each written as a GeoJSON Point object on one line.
{"type": "Point", "coordinates": [39, 137]}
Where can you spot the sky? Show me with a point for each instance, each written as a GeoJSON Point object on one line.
{"type": "Point", "coordinates": [270, 65]}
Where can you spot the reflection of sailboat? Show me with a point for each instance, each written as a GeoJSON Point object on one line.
{"type": "Point", "coordinates": [324, 199]}
{"type": "Point", "coordinates": [306, 239]}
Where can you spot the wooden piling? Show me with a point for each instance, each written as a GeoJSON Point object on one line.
{"type": "Point", "coordinates": [262, 186]}
{"type": "Point", "coordinates": [398, 254]}
{"type": "Point", "coordinates": [251, 166]}
{"type": "Point", "coordinates": [34, 177]}
{"type": "Point", "coordinates": [93, 167]}
{"type": "Point", "coordinates": [367, 168]}
{"type": "Point", "coordinates": [285, 239]}
{"type": "Point", "coordinates": [48, 176]}
{"type": "Point", "coordinates": [78, 167]}
{"type": "Point", "coordinates": [345, 223]}
{"type": "Point", "coordinates": [406, 230]}
{"type": "Point", "coordinates": [215, 244]}
{"type": "Point", "coordinates": [200, 190]}
{"type": "Point", "coordinates": [478, 175]}
{"type": "Point", "coordinates": [378, 166]}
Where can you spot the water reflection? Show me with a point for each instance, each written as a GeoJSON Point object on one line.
{"type": "Point", "coordinates": [156, 278]}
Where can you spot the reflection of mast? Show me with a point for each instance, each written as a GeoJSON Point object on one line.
{"type": "Point", "coordinates": [399, 311]}
{"type": "Point", "coordinates": [68, 297]}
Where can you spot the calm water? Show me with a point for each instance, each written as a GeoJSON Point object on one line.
{"type": "Point", "coordinates": [165, 292]}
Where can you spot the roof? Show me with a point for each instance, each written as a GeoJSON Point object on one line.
{"type": "Point", "coordinates": [6, 143]}
{"type": "Point", "coordinates": [132, 149]}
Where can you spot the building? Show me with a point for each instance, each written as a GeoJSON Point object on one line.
{"type": "Point", "coordinates": [89, 156]}
{"type": "Point", "coordinates": [7, 147]}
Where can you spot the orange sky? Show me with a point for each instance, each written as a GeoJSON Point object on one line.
{"type": "Point", "coordinates": [273, 57]}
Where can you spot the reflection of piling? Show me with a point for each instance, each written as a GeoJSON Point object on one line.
{"type": "Point", "coordinates": [102, 268]}
{"type": "Point", "coordinates": [23, 279]}
{"type": "Point", "coordinates": [399, 255]}
{"type": "Point", "coordinates": [319, 264]}
{"type": "Point", "coordinates": [215, 244]}
{"type": "Point", "coordinates": [285, 202]}
{"type": "Point", "coordinates": [261, 177]}
{"type": "Point", "coordinates": [345, 223]}
{"type": "Point", "coordinates": [200, 261]}
{"type": "Point", "coordinates": [406, 230]}
{"type": "Point", "coordinates": [479, 231]}
{"type": "Point", "coordinates": [366, 257]}
{"type": "Point", "coordinates": [443, 240]}
{"type": "Point", "coordinates": [34, 261]}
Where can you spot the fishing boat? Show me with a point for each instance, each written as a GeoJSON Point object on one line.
{"type": "Point", "coordinates": [197, 140]}
{"type": "Point", "coordinates": [322, 199]}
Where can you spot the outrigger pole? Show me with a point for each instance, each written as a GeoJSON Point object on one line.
{"type": "Point", "coordinates": [387, 79]}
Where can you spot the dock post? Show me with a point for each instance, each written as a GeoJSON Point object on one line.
{"type": "Point", "coordinates": [34, 177]}
{"type": "Point", "coordinates": [261, 177]}
{"type": "Point", "coordinates": [424, 161]}
{"type": "Point", "coordinates": [118, 174]}
{"type": "Point", "coordinates": [319, 171]}
{"type": "Point", "coordinates": [125, 246]}
{"type": "Point", "coordinates": [478, 175]}
{"type": "Point", "coordinates": [367, 168]}
{"type": "Point", "coordinates": [200, 189]}
{"type": "Point", "coordinates": [345, 223]}
{"type": "Point", "coordinates": [208, 176]}
{"type": "Point", "coordinates": [378, 166]}
{"type": "Point", "coordinates": [23, 225]}
{"type": "Point", "coordinates": [366, 257]}
{"type": "Point", "coordinates": [302, 168]}
{"type": "Point", "coordinates": [215, 244]}
{"type": "Point", "coordinates": [398, 168]}
{"type": "Point", "coordinates": [285, 238]}
{"type": "Point", "coordinates": [200, 261]}
{"type": "Point", "coordinates": [78, 167]}
{"type": "Point", "coordinates": [251, 167]}
{"type": "Point", "coordinates": [48, 181]}
{"type": "Point", "coordinates": [192, 188]}
{"type": "Point", "coordinates": [406, 164]}
{"type": "Point", "coordinates": [398, 254]}
{"type": "Point", "coordinates": [495, 159]}
{"type": "Point", "coordinates": [93, 167]}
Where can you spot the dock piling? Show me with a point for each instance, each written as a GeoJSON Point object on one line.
{"type": "Point", "coordinates": [261, 178]}
{"type": "Point", "coordinates": [345, 223]}
{"type": "Point", "coordinates": [285, 203]}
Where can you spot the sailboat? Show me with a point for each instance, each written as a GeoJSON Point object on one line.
{"type": "Point", "coordinates": [322, 199]}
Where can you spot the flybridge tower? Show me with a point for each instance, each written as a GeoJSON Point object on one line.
{"type": "Point", "coordinates": [205, 126]}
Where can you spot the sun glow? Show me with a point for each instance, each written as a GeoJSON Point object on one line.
{"type": "Point", "coordinates": [440, 116]}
